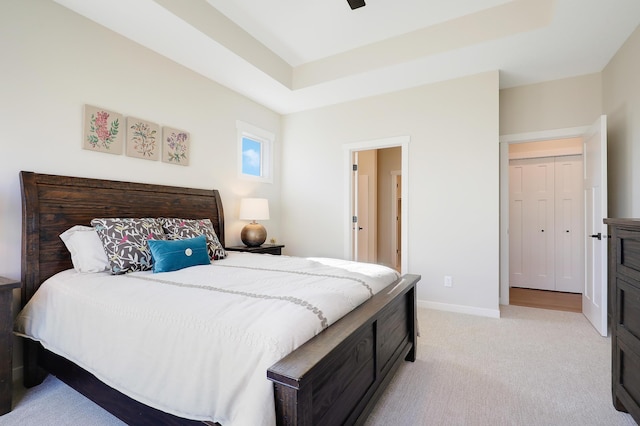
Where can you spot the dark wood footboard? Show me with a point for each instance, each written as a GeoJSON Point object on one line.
{"type": "Point", "coordinates": [337, 377]}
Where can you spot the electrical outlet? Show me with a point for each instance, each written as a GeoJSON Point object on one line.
{"type": "Point", "coordinates": [448, 281]}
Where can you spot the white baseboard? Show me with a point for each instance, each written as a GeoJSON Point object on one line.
{"type": "Point", "coordinates": [461, 309]}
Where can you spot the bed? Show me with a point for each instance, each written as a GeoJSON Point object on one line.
{"type": "Point", "coordinates": [334, 378]}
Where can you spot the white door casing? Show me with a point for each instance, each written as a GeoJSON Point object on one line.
{"type": "Point", "coordinates": [353, 202]}
{"type": "Point", "coordinates": [594, 295]}
{"type": "Point", "coordinates": [396, 218]}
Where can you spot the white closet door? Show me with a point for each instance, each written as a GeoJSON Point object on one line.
{"type": "Point", "coordinates": [569, 224]}
{"type": "Point", "coordinates": [517, 270]}
{"type": "Point", "coordinates": [532, 224]}
{"type": "Point", "coordinates": [542, 254]}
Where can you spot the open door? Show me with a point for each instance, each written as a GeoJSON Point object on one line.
{"type": "Point", "coordinates": [594, 296]}
{"type": "Point", "coordinates": [355, 226]}
{"type": "Point", "coordinates": [362, 224]}
{"type": "Point", "coordinates": [364, 205]}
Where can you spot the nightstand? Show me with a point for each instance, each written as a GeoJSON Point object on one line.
{"type": "Point", "coordinates": [6, 342]}
{"type": "Point", "coordinates": [265, 248]}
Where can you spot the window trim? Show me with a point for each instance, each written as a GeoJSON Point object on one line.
{"type": "Point", "coordinates": [266, 141]}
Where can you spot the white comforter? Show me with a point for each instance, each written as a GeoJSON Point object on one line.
{"type": "Point", "coordinates": [197, 342]}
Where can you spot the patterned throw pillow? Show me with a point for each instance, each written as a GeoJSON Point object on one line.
{"type": "Point", "coordinates": [179, 229]}
{"type": "Point", "coordinates": [125, 242]}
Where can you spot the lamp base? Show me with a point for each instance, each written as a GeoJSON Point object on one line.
{"type": "Point", "coordinates": [253, 235]}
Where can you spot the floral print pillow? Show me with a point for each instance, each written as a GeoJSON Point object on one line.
{"type": "Point", "coordinates": [125, 242]}
{"type": "Point", "coordinates": [179, 229]}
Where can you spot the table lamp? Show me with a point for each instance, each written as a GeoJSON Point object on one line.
{"type": "Point", "coordinates": [253, 209]}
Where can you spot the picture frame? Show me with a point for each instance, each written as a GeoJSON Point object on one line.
{"type": "Point", "coordinates": [143, 139]}
{"type": "Point", "coordinates": [102, 130]}
{"type": "Point", "coordinates": [175, 146]}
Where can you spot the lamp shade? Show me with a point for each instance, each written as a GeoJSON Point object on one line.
{"type": "Point", "coordinates": [254, 209]}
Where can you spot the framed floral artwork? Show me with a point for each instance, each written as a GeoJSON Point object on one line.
{"type": "Point", "coordinates": [143, 139]}
{"type": "Point", "coordinates": [102, 130]}
{"type": "Point", "coordinates": [175, 146]}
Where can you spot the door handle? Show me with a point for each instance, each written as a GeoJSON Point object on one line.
{"type": "Point", "coordinates": [598, 235]}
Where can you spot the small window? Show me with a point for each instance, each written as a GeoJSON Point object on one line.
{"type": "Point", "coordinates": [255, 152]}
{"type": "Point", "coordinates": [251, 157]}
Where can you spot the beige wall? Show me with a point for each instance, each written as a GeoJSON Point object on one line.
{"type": "Point", "coordinates": [621, 87]}
{"type": "Point", "coordinates": [452, 182]}
{"type": "Point", "coordinates": [566, 103]}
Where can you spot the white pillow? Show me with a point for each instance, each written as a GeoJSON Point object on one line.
{"type": "Point", "coordinates": [85, 246]}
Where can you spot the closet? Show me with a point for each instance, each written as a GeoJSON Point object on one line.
{"type": "Point", "coordinates": [546, 223]}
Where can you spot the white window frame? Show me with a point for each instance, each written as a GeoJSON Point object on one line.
{"type": "Point", "coordinates": [266, 140]}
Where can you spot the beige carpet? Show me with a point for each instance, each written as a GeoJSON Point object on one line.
{"type": "Point", "coordinates": [530, 367]}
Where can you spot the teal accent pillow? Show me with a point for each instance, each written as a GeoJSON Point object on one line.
{"type": "Point", "coordinates": [172, 255]}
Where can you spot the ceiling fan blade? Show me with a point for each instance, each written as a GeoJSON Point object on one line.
{"type": "Point", "coordinates": [356, 3]}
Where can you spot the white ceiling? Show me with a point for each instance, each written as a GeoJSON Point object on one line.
{"type": "Point", "coordinates": [301, 31]}
{"type": "Point", "coordinates": [292, 55]}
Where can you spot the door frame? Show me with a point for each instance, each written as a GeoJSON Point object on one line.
{"type": "Point", "coordinates": [348, 150]}
{"type": "Point", "coordinates": [394, 214]}
{"type": "Point", "coordinates": [505, 141]}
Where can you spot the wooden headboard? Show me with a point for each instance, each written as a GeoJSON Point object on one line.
{"type": "Point", "coordinates": [52, 204]}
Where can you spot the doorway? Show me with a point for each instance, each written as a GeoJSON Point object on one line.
{"type": "Point", "coordinates": [594, 295]}
{"type": "Point", "coordinates": [387, 170]}
{"type": "Point", "coordinates": [377, 221]}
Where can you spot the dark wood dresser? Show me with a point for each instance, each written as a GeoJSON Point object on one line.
{"type": "Point", "coordinates": [624, 296]}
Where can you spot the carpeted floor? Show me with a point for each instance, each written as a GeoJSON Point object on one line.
{"type": "Point", "coordinates": [530, 367]}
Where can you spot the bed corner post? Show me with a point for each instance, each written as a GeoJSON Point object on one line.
{"type": "Point", "coordinates": [30, 272]}
{"type": "Point", "coordinates": [293, 405]}
{"type": "Point", "coordinates": [220, 217]}
{"type": "Point", "coordinates": [413, 313]}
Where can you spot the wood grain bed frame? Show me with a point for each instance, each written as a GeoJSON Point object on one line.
{"type": "Point", "coordinates": [335, 378]}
